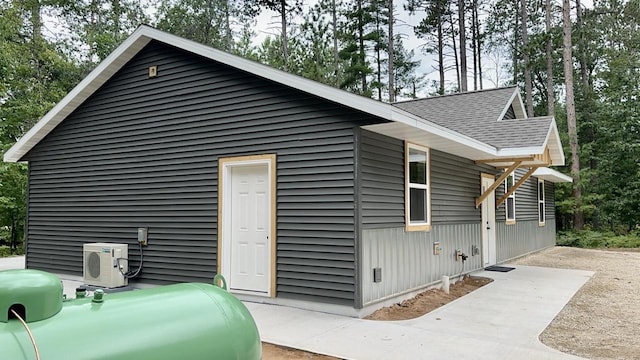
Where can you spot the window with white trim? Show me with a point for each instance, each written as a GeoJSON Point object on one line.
{"type": "Point", "coordinates": [510, 203]}
{"type": "Point", "coordinates": [541, 204]}
{"type": "Point", "coordinates": [417, 192]}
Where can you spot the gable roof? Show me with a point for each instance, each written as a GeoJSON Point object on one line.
{"type": "Point", "coordinates": [431, 133]}
{"type": "Point", "coordinates": [479, 114]}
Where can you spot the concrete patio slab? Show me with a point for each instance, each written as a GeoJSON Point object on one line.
{"type": "Point", "coordinates": [501, 320]}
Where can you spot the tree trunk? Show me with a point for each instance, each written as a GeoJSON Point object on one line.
{"type": "Point", "coordinates": [227, 20]}
{"type": "Point", "coordinates": [392, 91]}
{"type": "Point", "coordinates": [378, 58]}
{"type": "Point", "coordinates": [116, 11]}
{"type": "Point", "coordinates": [285, 45]}
{"type": "Point", "coordinates": [474, 36]}
{"type": "Point", "coordinates": [515, 42]}
{"type": "Point", "coordinates": [36, 40]}
{"type": "Point", "coordinates": [455, 49]}
{"type": "Point", "coordinates": [463, 47]}
{"type": "Point", "coordinates": [479, 41]}
{"type": "Point", "coordinates": [440, 56]}
{"type": "Point", "coordinates": [581, 48]}
{"type": "Point", "coordinates": [14, 238]}
{"type": "Point", "coordinates": [336, 57]}
{"type": "Point", "coordinates": [525, 58]}
{"type": "Point", "coordinates": [361, 43]}
{"type": "Point", "coordinates": [207, 26]}
{"type": "Point", "coordinates": [578, 218]}
{"type": "Point", "coordinates": [550, 93]}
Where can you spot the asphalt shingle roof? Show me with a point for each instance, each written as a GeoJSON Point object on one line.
{"type": "Point", "coordinates": [477, 115]}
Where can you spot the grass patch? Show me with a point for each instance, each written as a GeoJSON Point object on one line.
{"type": "Point", "coordinates": [598, 239]}
{"type": "Point", "coordinates": [5, 251]}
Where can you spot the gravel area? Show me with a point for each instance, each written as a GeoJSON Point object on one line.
{"type": "Point", "coordinates": [602, 321]}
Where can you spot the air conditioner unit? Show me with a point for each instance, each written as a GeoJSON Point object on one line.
{"type": "Point", "coordinates": [101, 266]}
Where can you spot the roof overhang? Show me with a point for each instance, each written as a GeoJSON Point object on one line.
{"type": "Point", "coordinates": [551, 175]}
{"type": "Point", "coordinates": [401, 124]}
{"type": "Point", "coordinates": [416, 129]}
{"type": "Point", "coordinates": [412, 128]}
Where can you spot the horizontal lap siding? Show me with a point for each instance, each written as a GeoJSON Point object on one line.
{"type": "Point", "coordinates": [550, 200]}
{"type": "Point", "coordinates": [526, 198]}
{"type": "Point", "coordinates": [382, 181]}
{"type": "Point", "coordinates": [455, 184]}
{"type": "Point", "coordinates": [143, 152]}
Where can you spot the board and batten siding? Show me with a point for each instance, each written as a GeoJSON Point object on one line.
{"type": "Point", "coordinates": [406, 258]}
{"type": "Point", "coordinates": [522, 238]}
{"type": "Point", "coordinates": [143, 152]}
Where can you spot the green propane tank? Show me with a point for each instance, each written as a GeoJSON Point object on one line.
{"type": "Point", "coordinates": [181, 321]}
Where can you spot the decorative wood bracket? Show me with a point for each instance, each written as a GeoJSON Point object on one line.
{"type": "Point", "coordinates": [514, 159]}
{"type": "Point", "coordinates": [516, 185]}
{"type": "Point", "coordinates": [497, 183]}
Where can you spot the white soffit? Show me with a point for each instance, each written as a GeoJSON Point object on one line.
{"type": "Point", "coordinates": [551, 175]}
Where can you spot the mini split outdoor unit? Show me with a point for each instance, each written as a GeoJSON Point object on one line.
{"type": "Point", "coordinates": [101, 266]}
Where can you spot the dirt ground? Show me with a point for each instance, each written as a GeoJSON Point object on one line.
{"type": "Point", "coordinates": [602, 321]}
{"type": "Point", "coordinates": [277, 352]}
{"type": "Point", "coordinates": [408, 309]}
{"type": "Point", "coordinates": [428, 300]}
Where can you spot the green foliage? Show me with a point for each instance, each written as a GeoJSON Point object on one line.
{"type": "Point", "coordinates": [209, 22]}
{"type": "Point", "coordinates": [598, 239]}
{"type": "Point", "coordinates": [100, 26]}
{"type": "Point", "coordinates": [6, 251]}
{"type": "Point", "coordinates": [35, 75]}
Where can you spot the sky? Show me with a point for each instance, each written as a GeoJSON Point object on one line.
{"type": "Point", "coordinates": [268, 23]}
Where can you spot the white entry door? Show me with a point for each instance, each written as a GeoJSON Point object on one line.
{"type": "Point", "coordinates": [249, 262]}
{"type": "Point", "coordinates": [488, 223]}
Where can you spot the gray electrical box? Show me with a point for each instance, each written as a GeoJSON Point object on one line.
{"type": "Point", "coordinates": [377, 275]}
{"type": "Point", "coordinates": [142, 236]}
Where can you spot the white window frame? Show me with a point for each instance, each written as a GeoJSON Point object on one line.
{"type": "Point", "coordinates": [542, 203]}
{"type": "Point", "coordinates": [512, 196]}
{"type": "Point", "coordinates": [414, 225]}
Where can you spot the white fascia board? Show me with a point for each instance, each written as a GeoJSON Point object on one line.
{"type": "Point", "coordinates": [521, 151]}
{"type": "Point", "coordinates": [364, 104]}
{"type": "Point", "coordinates": [506, 106]}
{"type": "Point", "coordinates": [548, 174]}
{"type": "Point", "coordinates": [554, 137]}
{"type": "Point", "coordinates": [552, 141]}
{"type": "Point", "coordinates": [144, 34]}
{"type": "Point", "coordinates": [520, 105]}
{"type": "Point", "coordinates": [96, 78]}
{"type": "Point", "coordinates": [339, 96]}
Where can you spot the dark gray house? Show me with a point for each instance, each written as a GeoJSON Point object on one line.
{"type": "Point", "coordinates": [297, 192]}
